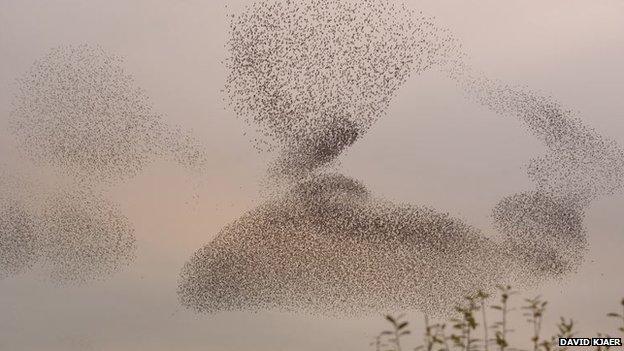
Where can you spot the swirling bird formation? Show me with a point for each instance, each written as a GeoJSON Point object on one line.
{"type": "Point", "coordinates": [310, 78]}
{"type": "Point", "coordinates": [78, 112]}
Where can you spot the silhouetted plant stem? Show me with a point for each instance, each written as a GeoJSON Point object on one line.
{"type": "Point", "coordinates": [444, 338]}
{"type": "Point", "coordinates": [377, 342]}
{"type": "Point", "coordinates": [619, 316]}
{"type": "Point", "coordinates": [398, 330]}
{"type": "Point", "coordinates": [535, 308]}
{"type": "Point", "coordinates": [465, 324]}
{"type": "Point", "coordinates": [501, 326]}
{"type": "Point", "coordinates": [482, 296]}
{"type": "Point", "coordinates": [428, 342]}
{"type": "Point", "coordinates": [602, 348]}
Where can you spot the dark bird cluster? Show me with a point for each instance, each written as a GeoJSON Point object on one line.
{"type": "Point", "coordinates": [77, 109]}
{"type": "Point", "coordinates": [86, 237]}
{"type": "Point", "coordinates": [579, 166]}
{"type": "Point", "coordinates": [18, 238]}
{"type": "Point", "coordinates": [72, 236]}
{"type": "Point", "coordinates": [329, 247]}
{"type": "Point", "coordinates": [80, 114]}
{"type": "Point", "coordinates": [19, 229]}
{"type": "Point", "coordinates": [311, 77]}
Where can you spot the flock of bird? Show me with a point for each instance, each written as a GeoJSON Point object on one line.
{"type": "Point", "coordinates": [309, 78]}
{"type": "Point", "coordinates": [80, 114]}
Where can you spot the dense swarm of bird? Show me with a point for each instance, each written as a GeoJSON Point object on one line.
{"type": "Point", "coordinates": [546, 225]}
{"type": "Point", "coordinates": [18, 238]}
{"type": "Point", "coordinates": [80, 114]}
{"type": "Point", "coordinates": [580, 164]}
{"type": "Point", "coordinates": [546, 234]}
{"type": "Point", "coordinates": [18, 227]}
{"type": "Point", "coordinates": [310, 78]}
{"type": "Point", "coordinates": [78, 110]}
{"type": "Point", "coordinates": [86, 237]}
{"type": "Point", "coordinates": [329, 247]}
{"type": "Point", "coordinates": [68, 234]}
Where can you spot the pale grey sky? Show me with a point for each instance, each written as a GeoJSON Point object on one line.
{"type": "Point", "coordinates": [434, 148]}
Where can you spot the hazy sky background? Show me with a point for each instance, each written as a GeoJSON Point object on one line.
{"type": "Point", "coordinates": [434, 148]}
